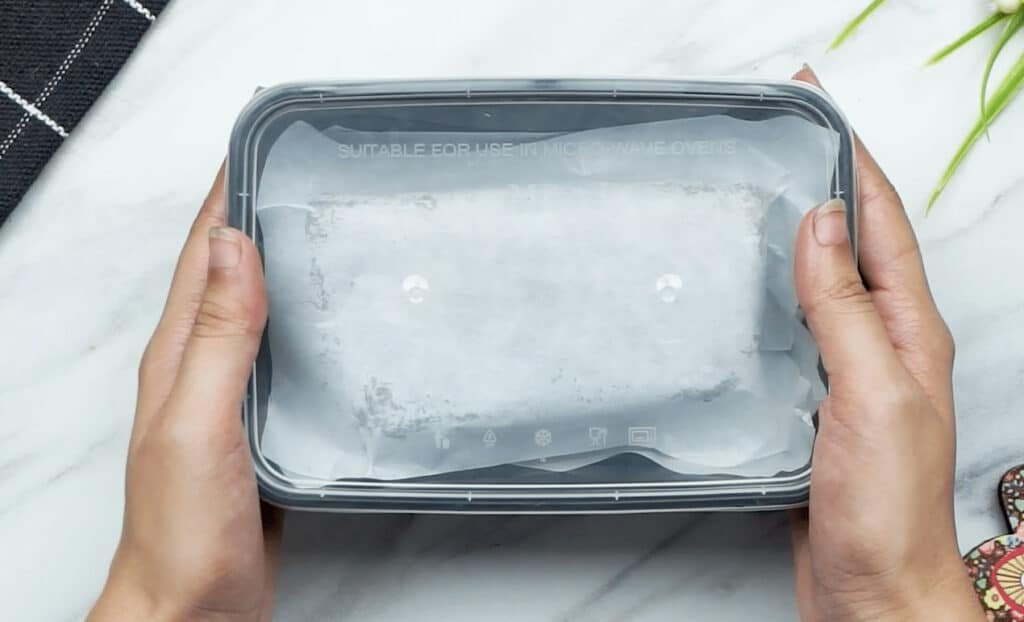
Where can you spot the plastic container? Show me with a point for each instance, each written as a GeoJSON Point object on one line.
{"type": "Point", "coordinates": [467, 234]}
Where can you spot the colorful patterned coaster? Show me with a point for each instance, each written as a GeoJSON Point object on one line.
{"type": "Point", "coordinates": [997, 565]}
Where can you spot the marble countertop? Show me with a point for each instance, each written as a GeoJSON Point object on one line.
{"type": "Point", "coordinates": [86, 259]}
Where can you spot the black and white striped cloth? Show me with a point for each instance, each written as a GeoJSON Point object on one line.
{"type": "Point", "coordinates": [56, 57]}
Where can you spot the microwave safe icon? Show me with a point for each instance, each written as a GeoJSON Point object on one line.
{"type": "Point", "coordinates": [643, 436]}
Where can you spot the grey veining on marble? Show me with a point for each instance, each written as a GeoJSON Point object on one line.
{"type": "Point", "coordinates": [86, 259]}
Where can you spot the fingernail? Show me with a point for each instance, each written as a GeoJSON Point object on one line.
{"type": "Point", "coordinates": [810, 72]}
{"type": "Point", "coordinates": [830, 223]}
{"type": "Point", "coordinates": [225, 249]}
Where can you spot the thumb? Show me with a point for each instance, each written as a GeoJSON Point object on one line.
{"type": "Point", "coordinates": [225, 337]}
{"type": "Point", "coordinates": [839, 310]}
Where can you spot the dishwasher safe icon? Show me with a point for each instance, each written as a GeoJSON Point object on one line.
{"type": "Point", "coordinates": [643, 436]}
{"type": "Point", "coordinates": [441, 441]}
{"type": "Point", "coordinates": [598, 437]}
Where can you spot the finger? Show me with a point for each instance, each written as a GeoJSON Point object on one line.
{"type": "Point", "coordinates": [839, 310]}
{"type": "Point", "coordinates": [893, 270]}
{"type": "Point", "coordinates": [890, 257]}
{"type": "Point", "coordinates": [803, 574]}
{"type": "Point", "coordinates": [163, 353]}
{"type": "Point", "coordinates": [225, 336]}
{"type": "Point", "coordinates": [891, 262]}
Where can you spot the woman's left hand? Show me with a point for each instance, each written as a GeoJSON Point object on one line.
{"type": "Point", "coordinates": [195, 543]}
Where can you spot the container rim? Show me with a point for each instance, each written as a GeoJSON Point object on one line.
{"type": "Point", "coordinates": [736, 493]}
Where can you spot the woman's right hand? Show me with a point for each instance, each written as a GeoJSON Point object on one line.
{"type": "Point", "coordinates": [878, 542]}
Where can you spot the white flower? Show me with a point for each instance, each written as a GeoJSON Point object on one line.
{"type": "Point", "coordinates": [1008, 6]}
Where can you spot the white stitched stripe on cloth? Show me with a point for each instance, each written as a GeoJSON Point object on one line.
{"type": "Point", "coordinates": [52, 84]}
{"type": "Point", "coordinates": [32, 110]}
{"type": "Point", "coordinates": [135, 4]}
{"type": "Point", "coordinates": [90, 29]}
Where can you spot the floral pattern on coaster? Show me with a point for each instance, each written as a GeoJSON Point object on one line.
{"type": "Point", "coordinates": [996, 566]}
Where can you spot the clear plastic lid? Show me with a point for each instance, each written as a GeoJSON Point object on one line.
{"type": "Point", "coordinates": [534, 295]}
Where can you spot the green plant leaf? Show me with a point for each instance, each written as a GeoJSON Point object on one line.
{"type": "Point", "coordinates": [1000, 99]}
{"type": "Point", "coordinates": [989, 22]}
{"type": "Point", "coordinates": [857, 21]}
{"type": "Point", "coordinates": [1010, 85]}
{"type": "Point", "coordinates": [1011, 29]}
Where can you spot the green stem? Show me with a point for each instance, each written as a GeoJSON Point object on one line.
{"type": "Point", "coordinates": [989, 22]}
{"type": "Point", "coordinates": [1011, 29]}
{"type": "Point", "coordinates": [1002, 97]}
{"type": "Point", "coordinates": [857, 21]}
